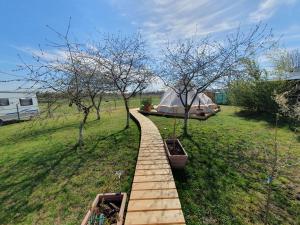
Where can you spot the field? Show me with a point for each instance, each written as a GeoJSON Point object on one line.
{"type": "Point", "coordinates": [43, 180]}
{"type": "Point", "coordinates": [225, 179]}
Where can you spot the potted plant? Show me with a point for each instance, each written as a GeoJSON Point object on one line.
{"type": "Point", "coordinates": [146, 104]}
{"type": "Point", "coordinates": [175, 151]}
{"type": "Point", "coordinates": [107, 208]}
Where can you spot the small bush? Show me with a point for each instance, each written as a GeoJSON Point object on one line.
{"type": "Point", "coordinates": [256, 95]}
{"type": "Point", "coordinates": [146, 104]}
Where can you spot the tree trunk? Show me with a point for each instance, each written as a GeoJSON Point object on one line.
{"type": "Point", "coordinates": [80, 142]}
{"type": "Point", "coordinates": [98, 108]}
{"type": "Point", "coordinates": [96, 105]}
{"type": "Point", "coordinates": [127, 113]}
{"type": "Point", "coordinates": [185, 125]}
{"type": "Point", "coordinates": [49, 115]}
{"type": "Point", "coordinates": [267, 206]}
{"type": "Point", "coordinates": [98, 114]}
{"type": "Point", "coordinates": [80, 137]}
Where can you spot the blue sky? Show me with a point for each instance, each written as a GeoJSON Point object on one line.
{"type": "Point", "coordinates": [23, 23]}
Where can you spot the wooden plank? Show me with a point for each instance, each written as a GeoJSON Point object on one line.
{"type": "Point", "coordinates": [152, 150]}
{"type": "Point", "coordinates": [154, 185]}
{"type": "Point", "coordinates": [154, 194]}
{"type": "Point", "coordinates": [165, 217]}
{"type": "Point", "coordinates": [144, 154]}
{"type": "Point", "coordinates": [140, 158]}
{"type": "Point", "coordinates": [152, 144]}
{"type": "Point", "coordinates": [153, 204]}
{"type": "Point", "coordinates": [151, 167]}
{"type": "Point", "coordinates": [152, 172]}
{"type": "Point", "coordinates": [154, 138]}
{"type": "Point", "coordinates": [151, 162]}
{"type": "Point", "coordinates": [165, 177]}
{"type": "Point", "coordinates": [152, 147]}
{"type": "Point", "coordinates": [148, 153]}
{"type": "Point", "coordinates": [154, 198]}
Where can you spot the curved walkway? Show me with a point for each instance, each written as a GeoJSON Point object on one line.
{"type": "Point", "coordinates": [154, 198]}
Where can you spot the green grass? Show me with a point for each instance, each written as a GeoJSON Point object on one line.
{"type": "Point", "coordinates": [224, 181]}
{"type": "Point", "coordinates": [43, 180]}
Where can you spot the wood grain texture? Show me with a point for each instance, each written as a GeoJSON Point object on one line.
{"type": "Point", "coordinates": [154, 198]}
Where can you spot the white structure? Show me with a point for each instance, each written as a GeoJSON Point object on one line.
{"type": "Point", "coordinates": [17, 106]}
{"type": "Point", "coordinates": [170, 103]}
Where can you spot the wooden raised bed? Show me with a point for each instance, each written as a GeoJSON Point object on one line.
{"type": "Point", "coordinates": [111, 205]}
{"type": "Point", "coordinates": [177, 115]}
{"type": "Point", "coordinates": [176, 153]}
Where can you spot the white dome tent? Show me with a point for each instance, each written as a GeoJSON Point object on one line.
{"type": "Point", "coordinates": [170, 103]}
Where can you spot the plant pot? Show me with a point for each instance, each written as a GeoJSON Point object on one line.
{"type": "Point", "coordinates": [147, 108]}
{"type": "Point", "coordinates": [108, 203]}
{"type": "Point", "coordinates": [178, 157]}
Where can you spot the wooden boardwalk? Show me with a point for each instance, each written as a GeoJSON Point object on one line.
{"type": "Point", "coordinates": [154, 198]}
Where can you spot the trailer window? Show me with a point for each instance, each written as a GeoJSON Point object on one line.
{"type": "Point", "coordinates": [4, 101]}
{"type": "Point", "coordinates": [26, 101]}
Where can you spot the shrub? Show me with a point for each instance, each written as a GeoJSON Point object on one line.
{"type": "Point", "coordinates": [146, 104]}
{"type": "Point", "coordinates": [256, 95]}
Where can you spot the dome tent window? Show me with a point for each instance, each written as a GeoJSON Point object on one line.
{"type": "Point", "coordinates": [4, 102]}
{"type": "Point", "coordinates": [26, 101]}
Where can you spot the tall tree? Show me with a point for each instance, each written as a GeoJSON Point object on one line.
{"type": "Point", "coordinates": [70, 72]}
{"type": "Point", "coordinates": [286, 61]}
{"type": "Point", "coordinates": [126, 63]}
{"type": "Point", "coordinates": [96, 85]}
{"type": "Point", "coordinates": [190, 66]}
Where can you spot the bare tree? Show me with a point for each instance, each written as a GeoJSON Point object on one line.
{"type": "Point", "coordinates": [276, 161]}
{"type": "Point", "coordinates": [126, 63]}
{"type": "Point", "coordinates": [96, 85]}
{"type": "Point", "coordinates": [70, 72]}
{"type": "Point", "coordinates": [286, 61]}
{"type": "Point", "coordinates": [190, 66]}
{"type": "Point", "coordinates": [51, 101]}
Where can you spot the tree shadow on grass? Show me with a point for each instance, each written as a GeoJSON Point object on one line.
{"type": "Point", "coordinates": [31, 172]}
{"type": "Point", "coordinates": [52, 167]}
{"type": "Point", "coordinates": [216, 176]}
{"type": "Point", "coordinates": [34, 132]}
{"type": "Point", "coordinates": [269, 118]}
{"type": "Point", "coordinates": [206, 180]}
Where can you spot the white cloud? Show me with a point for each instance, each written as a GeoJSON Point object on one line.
{"type": "Point", "coordinates": [162, 20]}
{"type": "Point", "coordinates": [267, 8]}
{"type": "Point", "coordinates": [50, 55]}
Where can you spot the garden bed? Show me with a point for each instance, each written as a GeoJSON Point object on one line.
{"type": "Point", "coordinates": [106, 209]}
{"type": "Point", "coordinates": [176, 153]}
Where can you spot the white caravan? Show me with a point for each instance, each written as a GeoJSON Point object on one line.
{"type": "Point", "coordinates": [17, 106]}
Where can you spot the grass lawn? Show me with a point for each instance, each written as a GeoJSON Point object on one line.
{"type": "Point", "coordinates": [225, 179]}
{"type": "Point", "coordinates": [43, 180]}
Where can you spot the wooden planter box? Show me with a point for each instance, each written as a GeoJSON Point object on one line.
{"type": "Point", "coordinates": [178, 159]}
{"type": "Point", "coordinates": [118, 199]}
